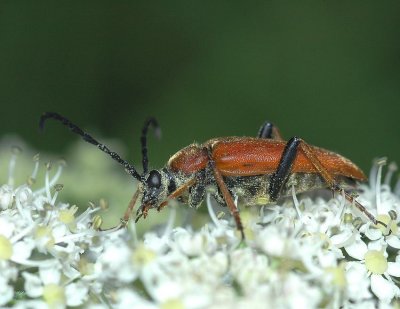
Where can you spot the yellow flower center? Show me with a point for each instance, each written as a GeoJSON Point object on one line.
{"type": "Point", "coordinates": [142, 256]}
{"type": "Point", "coordinates": [85, 267]}
{"type": "Point", "coordinates": [6, 249]}
{"type": "Point", "coordinates": [247, 217]}
{"type": "Point", "coordinates": [338, 276]}
{"type": "Point", "coordinates": [67, 216]}
{"type": "Point", "coordinates": [53, 295]}
{"type": "Point", "coordinates": [172, 304]}
{"type": "Point", "coordinates": [375, 262]}
{"type": "Point", "coordinates": [44, 232]}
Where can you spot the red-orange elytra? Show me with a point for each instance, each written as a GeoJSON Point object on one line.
{"type": "Point", "coordinates": [252, 169]}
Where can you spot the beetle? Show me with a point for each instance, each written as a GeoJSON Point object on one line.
{"type": "Point", "coordinates": [258, 170]}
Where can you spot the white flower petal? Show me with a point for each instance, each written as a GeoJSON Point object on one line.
{"type": "Point", "coordinates": [6, 292]}
{"type": "Point", "coordinates": [24, 195]}
{"type": "Point", "coordinates": [126, 298]}
{"type": "Point", "coordinates": [116, 262]}
{"type": "Point", "coordinates": [59, 230]}
{"type": "Point", "coordinates": [33, 285]}
{"type": "Point", "coordinates": [394, 269]}
{"type": "Point", "coordinates": [378, 245]}
{"type": "Point", "coordinates": [373, 234]}
{"type": "Point", "coordinates": [393, 241]}
{"type": "Point", "coordinates": [382, 288]}
{"type": "Point", "coordinates": [6, 196]}
{"type": "Point", "coordinates": [193, 244]}
{"type": "Point", "coordinates": [357, 249]}
{"type": "Point", "coordinates": [345, 238]}
{"type": "Point", "coordinates": [76, 294]}
{"type": "Point", "coordinates": [23, 249]}
{"type": "Point", "coordinates": [357, 281]}
{"type": "Point", "coordinates": [101, 306]}
{"type": "Point", "coordinates": [157, 244]}
{"type": "Point", "coordinates": [7, 227]}
{"type": "Point", "coordinates": [31, 304]}
{"type": "Point", "coordinates": [50, 273]}
{"type": "Point", "coordinates": [272, 242]}
{"type": "Point", "coordinates": [167, 290]}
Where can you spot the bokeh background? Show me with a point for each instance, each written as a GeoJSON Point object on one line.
{"type": "Point", "coordinates": [328, 71]}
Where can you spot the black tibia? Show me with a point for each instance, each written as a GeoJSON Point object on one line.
{"type": "Point", "coordinates": [88, 138]}
{"type": "Point", "coordinates": [265, 130]}
{"type": "Point", "coordinates": [149, 122]}
{"type": "Point", "coordinates": [279, 178]}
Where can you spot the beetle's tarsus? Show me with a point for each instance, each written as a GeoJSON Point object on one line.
{"type": "Point", "coordinates": [138, 217]}
{"type": "Point", "coordinates": [243, 238]}
{"type": "Point", "coordinates": [384, 225]}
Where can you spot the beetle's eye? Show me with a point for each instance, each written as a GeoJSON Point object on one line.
{"type": "Point", "coordinates": [154, 179]}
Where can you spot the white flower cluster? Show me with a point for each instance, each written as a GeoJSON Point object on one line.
{"type": "Point", "coordinates": [41, 245]}
{"type": "Point", "coordinates": [307, 253]}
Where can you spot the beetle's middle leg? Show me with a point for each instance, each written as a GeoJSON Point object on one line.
{"type": "Point", "coordinates": [227, 196]}
{"type": "Point", "coordinates": [279, 178]}
{"type": "Point", "coordinates": [269, 131]}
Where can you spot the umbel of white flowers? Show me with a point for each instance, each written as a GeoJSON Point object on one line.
{"type": "Point", "coordinates": [307, 253]}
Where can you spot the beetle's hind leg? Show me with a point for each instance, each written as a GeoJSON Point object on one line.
{"type": "Point", "coordinates": [333, 185]}
{"type": "Point", "coordinates": [279, 178]}
{"type": "Point", "coordinates": [269, 131]}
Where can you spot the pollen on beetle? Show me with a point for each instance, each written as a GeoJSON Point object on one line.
{"type": "Point", "coordinates": [262, 200]}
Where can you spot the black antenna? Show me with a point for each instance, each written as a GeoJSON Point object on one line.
{"type": "Point", "coordinates": [149, 122]}
{"type": "Point", "coordinates": [87, 138]}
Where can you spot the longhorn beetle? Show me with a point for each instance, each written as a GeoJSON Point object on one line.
{"type": "Point", "coordinates": [257, 169]}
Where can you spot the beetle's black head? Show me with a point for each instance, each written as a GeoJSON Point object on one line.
{"type": "Point", "coordinates": [155, 187]}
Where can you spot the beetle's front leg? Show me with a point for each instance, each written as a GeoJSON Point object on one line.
{"type": "Point", "coordinates": [128, 211]}
{"type": "Point", "coordinates": [178, 192]}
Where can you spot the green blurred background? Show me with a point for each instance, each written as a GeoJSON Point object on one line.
{"type": "Point", "coordinates": [327, 71]}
